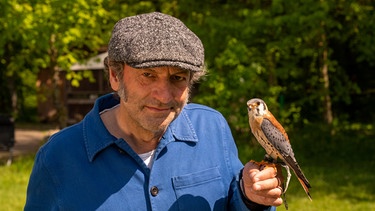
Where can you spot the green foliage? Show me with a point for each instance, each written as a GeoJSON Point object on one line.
{"type": "Point", "coordinates": [274, 50]}
{"type": "Point", "coordinates": [268, 49]}
{"type": "Point", "coordinates": [43, 37]}
{"type": "Point", "coordinates": [76, 76]}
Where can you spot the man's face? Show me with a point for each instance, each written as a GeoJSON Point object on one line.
{"type": "Point", "coordinates": [152, 98]}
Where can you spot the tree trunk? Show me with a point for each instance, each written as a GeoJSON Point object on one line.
{"type": "Point", "coordinates": [327, 98]}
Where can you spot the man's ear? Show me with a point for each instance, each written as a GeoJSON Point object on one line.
{"type": "Point", "coordinates": [113, 80]}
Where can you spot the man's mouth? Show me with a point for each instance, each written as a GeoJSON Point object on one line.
{"type": "Point", "coordinates": [159, 109]}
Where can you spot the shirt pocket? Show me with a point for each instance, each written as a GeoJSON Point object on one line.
{"type": "Point", "coordinates": [201, 190]}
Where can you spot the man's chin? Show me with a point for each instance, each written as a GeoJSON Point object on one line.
{"type": "Point", "coordinates": [159, 124]}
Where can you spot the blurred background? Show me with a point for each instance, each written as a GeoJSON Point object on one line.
{"type": "Point", "coordinates": [313, 62]}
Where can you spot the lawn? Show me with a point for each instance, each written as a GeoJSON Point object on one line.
{"type": "Point", "coordinates": [339, 167]}
{"type": "Point", "coordinates": [13, 180]}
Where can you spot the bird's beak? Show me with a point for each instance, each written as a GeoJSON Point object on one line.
{"type": "Point", "coordinates": [250, 108]}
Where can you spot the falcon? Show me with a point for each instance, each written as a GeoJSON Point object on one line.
{"type": "Point", "coordinates": [273, 138]}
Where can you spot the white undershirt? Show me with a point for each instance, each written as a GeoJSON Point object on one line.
{"type": "Point", "coordinates": [147, 157]}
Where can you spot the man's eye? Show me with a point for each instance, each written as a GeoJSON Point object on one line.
{"type": "Point", "coordinates": [178, 78]}
{"type": "Point", "coordinates": [146, 74]}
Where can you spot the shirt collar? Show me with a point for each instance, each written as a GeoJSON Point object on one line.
{"type": "Point", "coordinates": [182, 129]}
{"type": "Point", "coordinates": [97, 137]}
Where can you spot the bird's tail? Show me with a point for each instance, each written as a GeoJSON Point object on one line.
{"type": "Point", "coordinates": [305, 187]}
{"type": "Point", "coordinates": [300, 176]}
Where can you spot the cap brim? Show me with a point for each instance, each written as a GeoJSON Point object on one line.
{"type": "Point", "coordinates": [182, 65]}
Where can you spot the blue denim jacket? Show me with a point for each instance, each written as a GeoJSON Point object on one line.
{"type": "Point", "coordinates": [84, 167]}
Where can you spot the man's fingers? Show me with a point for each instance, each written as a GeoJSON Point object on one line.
{"type": "Point", "coordinates": [270, 197]}
{"type": "Point", "coordinates": [266, 173]}
{"type": "Point", "coordinates": [263, 183]}
{"type": "Point", "coordinates": [266, 184]}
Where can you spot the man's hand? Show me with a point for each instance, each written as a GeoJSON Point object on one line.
{"type": "Point", "coordinates": [262, 183]}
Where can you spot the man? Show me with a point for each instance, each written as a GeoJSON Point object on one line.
{"type": "Point", "coordinates": [144, 147]}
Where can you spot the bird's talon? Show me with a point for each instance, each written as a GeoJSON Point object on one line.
{"type": "Point", "coordinates": [289, 175]}
{"type": "Point", "coordinates": [283, 196]}
{"type": "Point", "coordinates": [264, 164]}
{"type": "Point", "coordinates": [268, 158]}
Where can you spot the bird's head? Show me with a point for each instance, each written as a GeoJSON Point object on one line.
{"type": "Point", "coordinates": [256, 107]}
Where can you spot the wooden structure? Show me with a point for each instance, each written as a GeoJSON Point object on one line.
{"type": "Point", "coordinates": [80, 100]}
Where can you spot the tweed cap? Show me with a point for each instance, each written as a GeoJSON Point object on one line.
{"type": "Point", "coordinates": [154, 40]}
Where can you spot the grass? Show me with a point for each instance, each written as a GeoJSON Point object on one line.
{"type": "Point", "coordinates": [13, 180]}
{"type": "Point", "coordinates": [339, 168]}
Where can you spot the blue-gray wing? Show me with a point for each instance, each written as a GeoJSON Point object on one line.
{"type": "Point", "coordinates": [280, 143]}
{"type": "Point", "coordinates": [276, 138]}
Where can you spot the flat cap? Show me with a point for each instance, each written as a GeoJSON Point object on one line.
{"type": "Point", "coordinates": [154, 40]}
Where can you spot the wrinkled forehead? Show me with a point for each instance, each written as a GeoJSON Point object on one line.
{"type": "Point", "coordinates": [171, 70]}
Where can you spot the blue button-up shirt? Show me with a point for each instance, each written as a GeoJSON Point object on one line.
{"type": "Point", "coordinates": [84, 167]}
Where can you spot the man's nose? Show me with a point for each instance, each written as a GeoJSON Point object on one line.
{"type": "Point", "coordinates": [163, 91]}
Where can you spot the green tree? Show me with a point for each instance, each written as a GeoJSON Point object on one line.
{"type": "Point", "coordinates": [307, 59]}
{"type": "Point", "coordinates": [13, 70]}
{"type": "Point", "coordinates": [62, 33]}
{"type": "Point", "coordinates": [287, 52]}
{"type": "Point", "coordinates": [41, 38]}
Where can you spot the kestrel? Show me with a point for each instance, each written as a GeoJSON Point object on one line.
{"type": "Point", "coordinates": [273, 138]}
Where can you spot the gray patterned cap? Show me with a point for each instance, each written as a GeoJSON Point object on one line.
{"type": "Point", "coordinates": [154, 40]}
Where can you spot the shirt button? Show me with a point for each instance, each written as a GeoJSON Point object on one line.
{"type": "Point", "coordinates": [154, 191]}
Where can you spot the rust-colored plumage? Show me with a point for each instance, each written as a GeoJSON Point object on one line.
{"type": "Point", "coordinates": [273, 138]}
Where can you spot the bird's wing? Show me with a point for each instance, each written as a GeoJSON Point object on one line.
{"type": "Point", "coordinates": [277, 138]}
{"type": "Point", "coordinates": [279, 141]}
